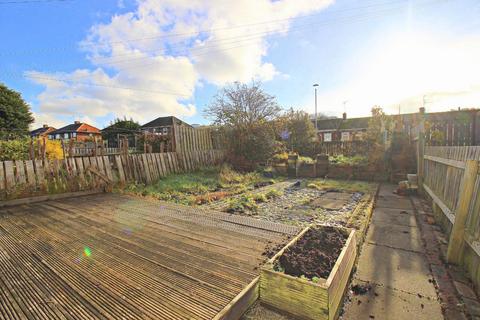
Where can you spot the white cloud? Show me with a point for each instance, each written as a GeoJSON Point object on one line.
{"type": "Point", "coordinates": [46, 118]}
{"type": "Point", "coordinates": [143, 49]}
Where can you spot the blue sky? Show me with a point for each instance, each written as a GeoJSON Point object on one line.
{"type": "Point", "coordinates": [149, 58]}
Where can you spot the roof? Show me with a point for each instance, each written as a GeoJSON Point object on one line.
{"type": "Point", "coordinates": [74, 128]}
{"type": "Point", "coordinates": [41, 130]}
{"type": "Point", "coordinates": [163, 122]}
{"type": "Point", "coordinates": [340, 124]}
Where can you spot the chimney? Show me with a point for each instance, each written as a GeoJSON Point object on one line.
{"type": "Point", "coordinates": [45, 126]}
{"type": "Point", "coordinates": [77, 122]}
{"type": "Point", "coordinates": [344, 116]}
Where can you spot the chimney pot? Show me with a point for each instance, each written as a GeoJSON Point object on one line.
{"type": "Point", "coordinates": [344, 116]}
{"type": "Point", "coordinates": [77, 122]}
{"type": "Point", "coordinates": [45, 126]}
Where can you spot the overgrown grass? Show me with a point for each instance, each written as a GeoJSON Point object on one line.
{"type": "Point", "coordinates": [350, 186]}
{"type": "Point", "coordinates": [199, 187]}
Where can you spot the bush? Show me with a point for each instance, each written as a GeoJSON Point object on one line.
{"type": "Point", "coordinates": [14, 150]}
{"type": "Point", "coordinates": [280, 157]}
{"type": "Point", "coordinates": [53, 149]}
{"type": "Point", "coordinates": [306, 160]}
{"type": "Point", "coordinates": [352, 161]}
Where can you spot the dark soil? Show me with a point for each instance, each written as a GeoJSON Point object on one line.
{"type": "Point", "coordinates": [360, 289]}
{"type": "Point", "coordinates": [315, 254]}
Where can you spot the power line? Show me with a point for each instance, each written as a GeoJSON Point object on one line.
{"type": "Point", "coordinates": [73, 81]}
{"type": "Point", "coordinates": [106, 86]}
{"type": "Point", "coordinates": [350, 19]}
{"type": "Point", "coordinates": [175, 35]}
{"type": "Point", "coordinates": [32, 1]}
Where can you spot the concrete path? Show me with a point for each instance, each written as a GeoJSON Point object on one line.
{"type": "Point", "coordinates": [393, 267]}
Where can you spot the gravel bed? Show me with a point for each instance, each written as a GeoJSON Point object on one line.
{"type": "Point", "coordinates": [293, 206]}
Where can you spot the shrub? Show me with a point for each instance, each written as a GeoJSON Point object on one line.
{"type": "Point", "coordinates": [343, 160]}
{"type": "Point", "coordinates": [306, 160]}
{"type": "Point", "coordinates": [14, 149]}
{"type": "Point", "coordinates": [53, 149]}
{"type": "Point", "coordinates": [280, 157]}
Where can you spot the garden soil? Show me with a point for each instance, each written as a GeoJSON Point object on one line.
{"type": "Point", "coordinates": [315, 254]}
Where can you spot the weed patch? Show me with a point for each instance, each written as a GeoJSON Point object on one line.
{"type": "Point", "coordinates": [200, 187]}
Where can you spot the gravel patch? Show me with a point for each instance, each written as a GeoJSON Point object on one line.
{"type": "Point", "coordinates": [294, 206]}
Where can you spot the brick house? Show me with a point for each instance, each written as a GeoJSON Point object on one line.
{"type": "Point", "coordinates": [163, 125]}
{"type": "Point", "coordinates": [78, 131]}
{"type": "Point", "coordinates": [342, 129]}
{"type": "Point", "coordinates": [44, 131]}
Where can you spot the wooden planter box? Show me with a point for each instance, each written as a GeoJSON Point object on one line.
{"type": "Point", "coordinates": [280, 169]}
{"type": "Point", "coordinates": [303, 298]}
{"type": "Point", "coordinates": [306, 170]}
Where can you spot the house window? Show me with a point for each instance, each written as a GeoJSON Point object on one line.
{"type": "Point", "coordinates": [58, 136]}
{"type": "Point", "coordinates": [345, 136]}
{"type": "Point", "coordinates": [327, 137]}
{"type": "Point", "coordinates": [74, 134]}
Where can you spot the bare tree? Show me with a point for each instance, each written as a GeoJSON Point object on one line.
{"type": "Point", "coordinates": [242, 106]}
{"type": "Point", "coordinates": [245, 113]}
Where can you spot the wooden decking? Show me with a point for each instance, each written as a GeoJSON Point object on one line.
{"type": "Point", "coordinates": [110, 256]}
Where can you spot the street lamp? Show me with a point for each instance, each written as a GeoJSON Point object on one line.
{"type": "Point", "coordinates": [316, 115]}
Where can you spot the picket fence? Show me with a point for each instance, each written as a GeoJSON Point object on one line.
{"type": "Point", "coordinates": [25, 178]}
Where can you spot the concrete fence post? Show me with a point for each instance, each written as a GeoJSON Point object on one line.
{"type": "Point", "coordinates": [421, 150]}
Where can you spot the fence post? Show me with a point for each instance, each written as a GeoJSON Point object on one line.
{"type": "Point", "coordinates": [456, 242]}
{"type": "Point", "coordinates": [421, 150]}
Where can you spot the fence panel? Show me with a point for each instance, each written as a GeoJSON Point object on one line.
{"type": "Point", "coordinates": [192, 139]}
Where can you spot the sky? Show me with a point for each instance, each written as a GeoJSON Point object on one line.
{"type": "Point", "coordinates": [94, 61]}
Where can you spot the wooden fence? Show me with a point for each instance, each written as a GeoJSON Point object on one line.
{"type": "Point", "coordinates": [27, 178]}
{"type": "Point", "coordinates": [347, 148]}
{"type": "Point", "coordinates": [86, 152]}
{"type": "Point", "coordinates": [192, 139]}
{"type": "Point", "coordinates": [451, 179]}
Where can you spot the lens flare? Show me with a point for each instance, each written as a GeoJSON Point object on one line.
{"type": "Point", "coordinates": [87, 252]}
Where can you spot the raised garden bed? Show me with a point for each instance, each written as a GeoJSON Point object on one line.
{"type": "Point", "coordinates": [308, 278]}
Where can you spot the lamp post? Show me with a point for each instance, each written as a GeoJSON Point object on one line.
{"type": "Point", "coordinates": [316, 114]}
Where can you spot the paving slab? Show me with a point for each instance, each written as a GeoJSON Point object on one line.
{"type": "Point", "coordinates": [389, 304]}
{"type": "Point", "coordinates": [328, 203]}
{"type": "Point", "coordinates": [394, 202]}
{"type": "Point", "coordinates": [388, 188]}
{"type": "Point", "coordinates": [337, 195]}
{"type": "Point", "coordinates": [395, 236]}
{"type": "Point", "coordinates": [394, 217]}
{"type": "Point", "coordinates": [395, 268]}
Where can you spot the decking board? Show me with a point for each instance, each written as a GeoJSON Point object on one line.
{"type": "Point", "coordinates": [149, 259]}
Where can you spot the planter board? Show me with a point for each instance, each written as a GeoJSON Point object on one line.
{"type": "Point", "coordinates": [305, 299]}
